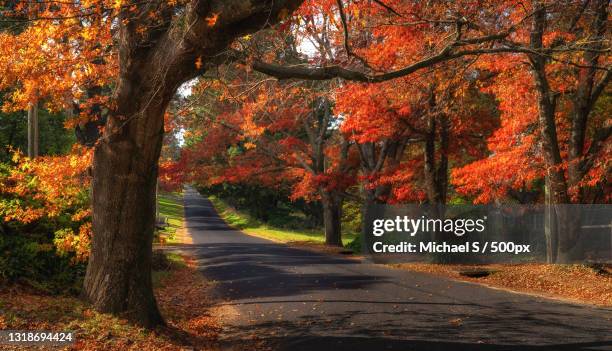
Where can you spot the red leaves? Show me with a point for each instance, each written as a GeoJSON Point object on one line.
{"type": "Point", "coordinates": [171, 174]}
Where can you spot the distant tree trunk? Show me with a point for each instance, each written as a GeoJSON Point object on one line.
{"type": "Point", "coordinates": [563, 237]}
{"type": "Point", "coordinates": [436, 168]}
{"type": "Point", "coordinates": [371, 163]}
{"type": "Point", "coordinates": [332, 219]}
{"type": "Point", "coordinates": [550, 225]}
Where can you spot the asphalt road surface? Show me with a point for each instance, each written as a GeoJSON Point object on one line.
{"type": "Point", "coordinates": [299, 300]}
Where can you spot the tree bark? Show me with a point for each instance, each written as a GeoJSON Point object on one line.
{"type": "Point", "coordinates": [563, 231]}
{"type": "Point", "coordinates": [436, 171]}
{"type": "Point", "coordinates": [118, 278]}
{"type": "Point", "coordinates": [587, 92]}
{"type": "Point", "coordinates": [152, 65]}
{"type": "Point", "coordinates": [332, 219]}
{"type": "Point", "coordinates": [550, 224]}
{"type": "Point", "coordinates": [556, 182]}
{"type": "Point", "coordinates": [546, 109]}
{"type": "Point", "coordinates": [371, 163]}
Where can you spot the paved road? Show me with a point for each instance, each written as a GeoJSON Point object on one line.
{"type": "Point", "coordinates": [300, 300]}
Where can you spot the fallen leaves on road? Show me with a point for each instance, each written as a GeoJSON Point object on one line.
{"type": "Point", "coordinates": [573, 282]}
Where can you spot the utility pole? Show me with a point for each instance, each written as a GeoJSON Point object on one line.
{"type": "Point", "coordinates": [33, 130]}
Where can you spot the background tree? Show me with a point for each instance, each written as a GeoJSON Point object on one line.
{"type": "Point", "coordinates": [278, 131]}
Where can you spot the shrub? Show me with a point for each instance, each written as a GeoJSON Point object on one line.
{"type": "Point", "coordinates": [45, 223]}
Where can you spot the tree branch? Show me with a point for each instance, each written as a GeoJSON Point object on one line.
{"type": "Point", "coordinates": [330, 72]}
{"type": "Point", "coordinates": [597, 144]}
{"type": "Point", "coordinates": [388, 8]}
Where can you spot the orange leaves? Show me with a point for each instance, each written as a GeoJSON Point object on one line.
{"type": "Point", "coordinates": [67, 241]}
{"type": "Point", "coordinates": [372, 112]}
{"type": "Point", "coordinates": [52, 61]}
{"type": "Point", "coordinates": [50, 189]}
{"type": "Point", "coordinates": [212, 20]}
{"type": "Point", "coordinates": [171, 174]}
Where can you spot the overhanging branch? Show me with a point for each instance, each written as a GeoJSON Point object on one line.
{"type": "Point", "coordinates": [330, 72]}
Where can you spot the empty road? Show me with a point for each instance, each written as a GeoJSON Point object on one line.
{"type": "Point", "coordinates": [299, 300]}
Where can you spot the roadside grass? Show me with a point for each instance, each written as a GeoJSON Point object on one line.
{"type": "Point", "coordinates": [183, 297]}
{"type": "Point", "coordinates": [248, 224]}
{"type": "Point", "coordinates": [170, 207]}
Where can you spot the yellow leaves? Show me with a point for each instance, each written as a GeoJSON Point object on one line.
{"type": "Point", "coordinates": [212, 19]}
{"type": "Point", "coordinates": [249, 145]}
{"type": "Point", "coordinates": [80, 215]}
{"type": "Point", "coordinates": [16, 157]}
{"type": "Point", "coordinates": [74, 161]}
{"type": "Point", "coordinates": [88, 34]}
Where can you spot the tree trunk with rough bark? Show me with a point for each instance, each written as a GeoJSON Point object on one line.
{"type": "Point", "coordinates": [158, 48]}
{"type": "Point", "coordinates": [118, 278]}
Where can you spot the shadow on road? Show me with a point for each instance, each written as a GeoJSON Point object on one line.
{"type": "Point", "coordinates": [264, 270]}
{"type": "Point", "coordinates": [373, 343]}
{"type": "Point", "coordinates": [301, 300]}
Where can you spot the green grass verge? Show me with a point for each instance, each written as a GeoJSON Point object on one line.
{"type": "Point", "coordinates": [170, 207]}
{"type": "Point", "coordinates": [250, 225]}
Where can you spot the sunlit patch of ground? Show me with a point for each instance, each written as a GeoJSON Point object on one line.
{"type": "Point", "coordinates": [171, 210]}
{"type": "Point", "coordinates": [248, 225]}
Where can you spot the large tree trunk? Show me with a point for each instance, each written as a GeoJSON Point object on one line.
{"type": "Point", "coordinates": [118, 278]}
{"type": "Point", "coordinates": [159, 47]}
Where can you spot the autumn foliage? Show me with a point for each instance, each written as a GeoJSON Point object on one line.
{"type": "Point", "coordinates": [44, 205]}
{"type": "Point", "coordinates": [481, 128]}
